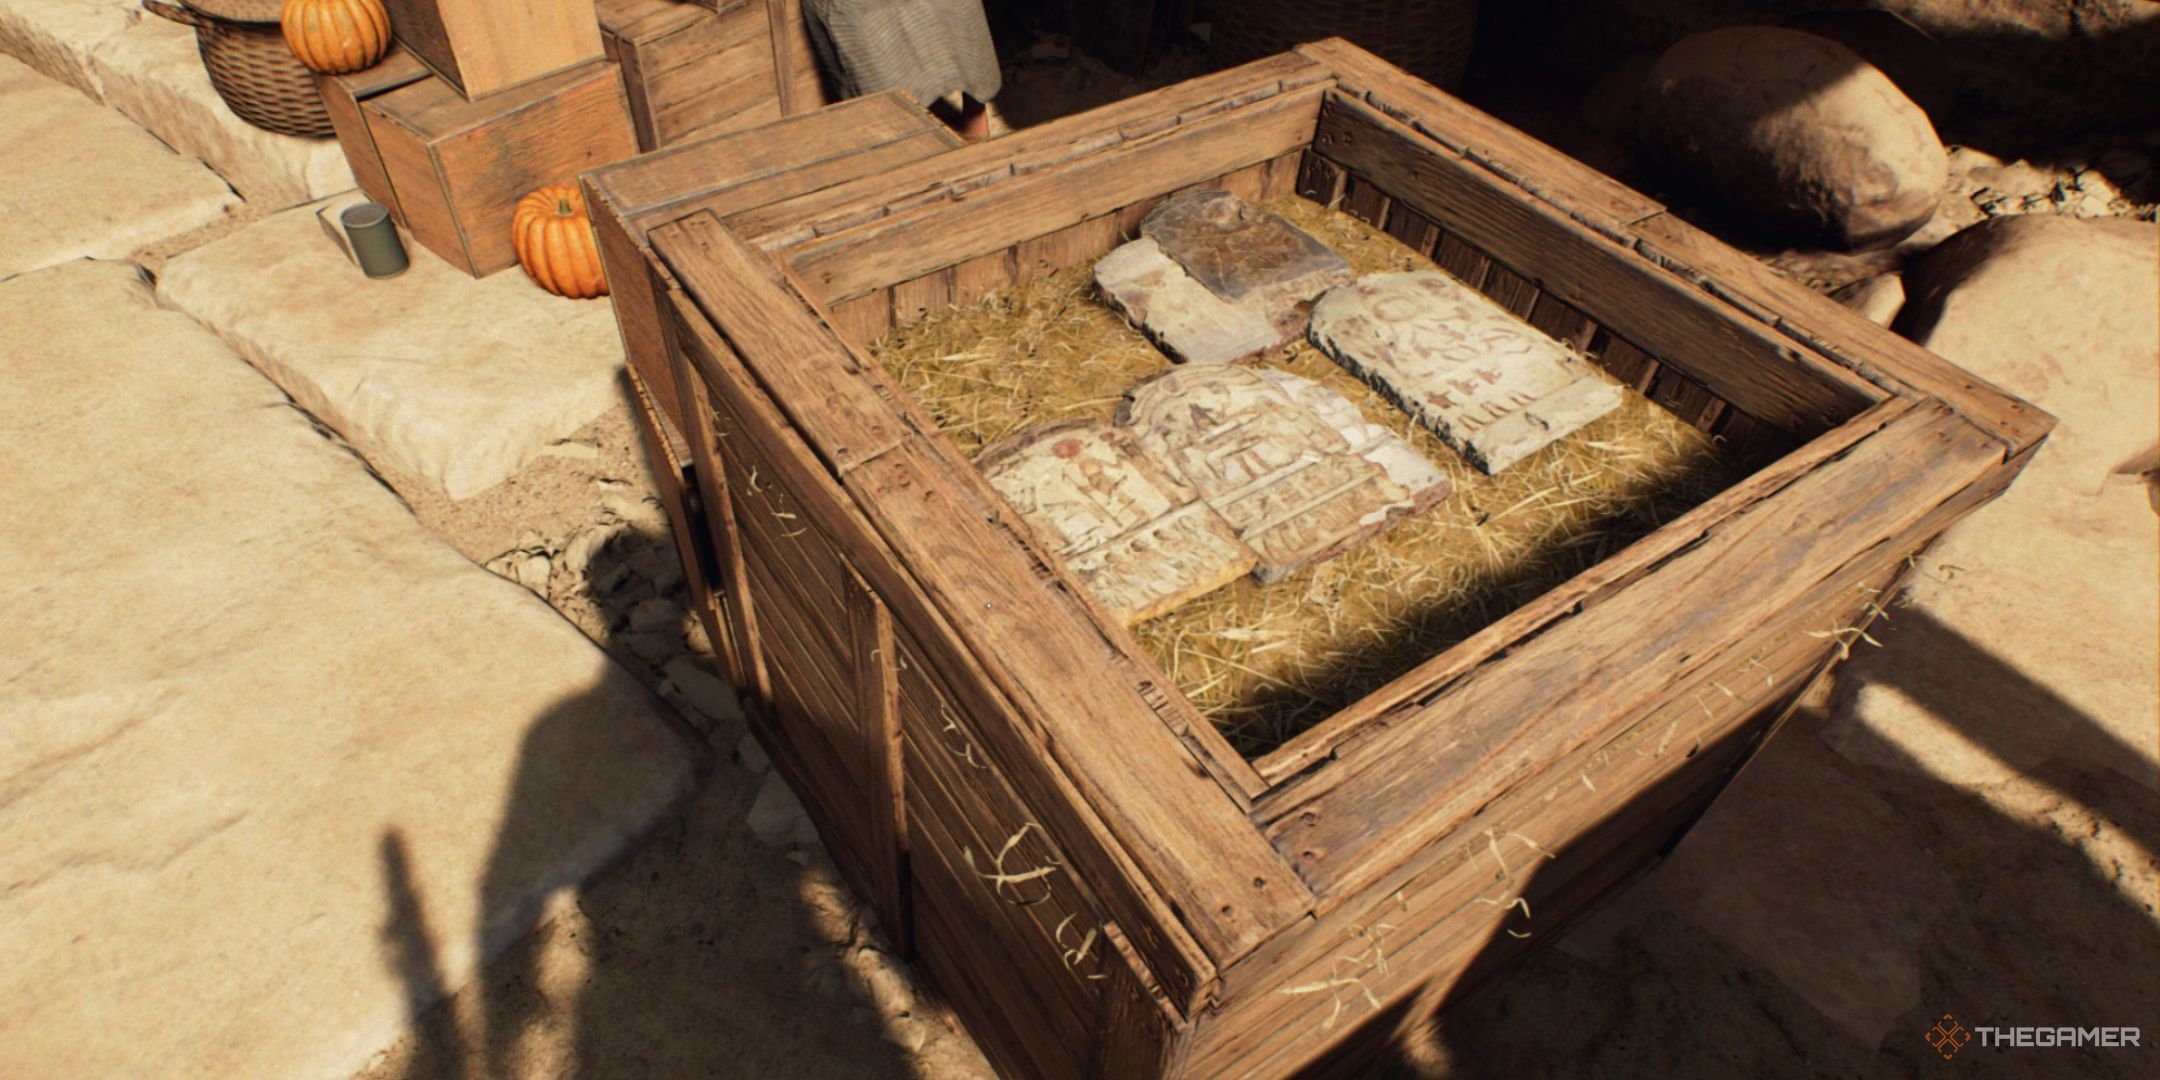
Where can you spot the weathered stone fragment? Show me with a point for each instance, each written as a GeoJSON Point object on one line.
{"type": "Point", "coordinates": [1246, 255]}
{"type": "Point", "coordinates": [1175, 311]}
{"type": "Point", "coordinates": [1213, 280]}
{"type": "Point", "coordinates": [1292, 466]}
{"type": "Point", "coordinates": [1142, 542]}
{"type": "Point", "coordinates": [1487, 383]}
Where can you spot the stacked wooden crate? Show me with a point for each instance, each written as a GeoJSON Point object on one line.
{"type": "Point", "coordinates": [485, 100]}
{"type": "Point", "coordinates": [481, 102]}
{"type": "Point", "coordinates": [1097, 881]}
{"type": "Point", "coordinates": [702, 69]}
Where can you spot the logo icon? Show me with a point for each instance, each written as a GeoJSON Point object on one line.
{"type": "Point", "coordinates": [1948, 1036]}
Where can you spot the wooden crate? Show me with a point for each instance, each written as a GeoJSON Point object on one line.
{"type": "Point", "coordinates": [453, 170]}
{"type": "Point", "coordinates": [732, 173]}
{"type": "Point", "coordinates": [1099, 884]}
{"type": "Point", "coordinates": [693, 70]}
{"type": "Point", "coordinates": [342, 95]}
{"type": "Point", "coordinates": [481, 47]}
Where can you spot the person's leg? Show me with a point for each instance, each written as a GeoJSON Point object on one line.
{"type": "Point", "coordinates": [971, 119]}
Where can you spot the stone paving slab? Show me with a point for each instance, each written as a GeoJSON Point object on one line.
{"type": "Point", "coordinates": [58, 37]}
{"type": "Point", "coordinates": [153, 73]}
{"type": "Point", "coordinates": [453, 381]}
{"type": "Point", "coordinates": [281, 767]}
{"type": "Point", "coordinates": [78, 180]}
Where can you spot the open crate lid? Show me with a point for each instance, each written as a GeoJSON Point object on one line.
{"type": "Point", "coordinates": [247, 11]}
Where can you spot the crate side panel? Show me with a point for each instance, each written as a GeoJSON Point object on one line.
{"type": "Point", "coordinates": [1744, 363]}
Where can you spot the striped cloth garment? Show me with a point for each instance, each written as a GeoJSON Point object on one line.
{"type": "Point", "coordinates": [926, 48]}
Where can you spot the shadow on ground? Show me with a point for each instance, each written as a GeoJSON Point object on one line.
{"type": "Point", "coordinates": [1826, 914]}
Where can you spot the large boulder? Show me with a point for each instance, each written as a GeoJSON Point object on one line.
{"type": "Point", "coordinates": [2033, 632]}
{"type": "Point", "coordinates": [1793, 130]}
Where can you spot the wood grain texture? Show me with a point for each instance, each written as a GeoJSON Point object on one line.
{"type": "Point", "coordinates": [462, 165]}
{"type": "Point", "coordinates": [676, 481]}
{"type": "Point", "coordinates": [342, 95]}
{"type": "Point", "coordinates": [1040, 148]}
{"type": "Point", "coordinates": [1771, 377]}
{"type": "Point", "coordinates": [1063, 694]}
{"type": "Point", "coordinates": [908, 243]}
{"type": "Point", "coordinates": [1836, 331]}
{"type": "Point", "coordinates": [1413, 782]}
{"type": "Point", "coordinates": [482, 47]}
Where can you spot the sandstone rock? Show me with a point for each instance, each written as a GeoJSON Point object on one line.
{"type": "Point", "coordinates": [1142, 542]}
{"type": "Point", "coordinates": [154, 74]}
{"type": "Point", "coordinates": [750, 754]}
{"type": "Point", "coordinates": [451, 381]}
{"type": "Point", "coordinates": [2033, 632]}
{"type": "Point", "coordinates": [1795, 130]}
{"type": "Point", "coordinates": [777, 817]}
{"type": "Point", "coordinates": [709, 693]}
{"type": "Point", "coordinates": [1877, 298]}
{"type": "Point", "coordinates": [58, 37]}
{"type": "Point", "coordinates": [1192, 324]}
{"type": "Point", "coordinates": [83, 182]}
{"type": "Point", "coordinates": [281, 767]}
{"type": "Point", "coordinates": [655, 614]}
{"type": "Point", "coordinates": [1290, 464]}
{"type": "Point", "coordinates": [1490, 385]}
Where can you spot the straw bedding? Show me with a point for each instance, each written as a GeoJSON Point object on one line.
{"type": "Point", "coordinates": [1265, 662]}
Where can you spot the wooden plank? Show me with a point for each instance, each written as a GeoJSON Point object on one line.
{"type": "Point", "coordinates": [1676, 755]}
{"type": "Point", "coordinates": [1366, 201]}
{"type": "Point", "coordinates": [1049, 253]}
{"type": "Point", "coordinates": [1178, 961]}
{"type": "Point", "coordinates": [795, 357]}
{"type": "Point", "coordinates": [341, 97]}
{"type": "Point", "coordinates": [1769, 376]}
{"type": "Point", "coordinates": [1687, 399]}
{"type": "Point", "coordinates": [1279, 179]}
{"type": "Point", "coordinates": [465, 41]}
{"type": "Point", "coordinates": [1584, 591]}
{"type": "Point", "coordinates": [983, 275]}
{"type": "Point", "coordinates": [907, 243]}
{"type": "Point", "coordinates": [1511, 291]}
{"type": "Point", "coordinates": [1838, 332]}
{"type": "Point", "coordinates": [877, 703]}
{"type": "Point", "coordinates": [1397, 790]}
{"type": "Point", "coordinates": [1247, 183]}
{"type": "Point", "coordinates": [1462, 259]}
{"type": "Point", "coordinates": [926, 295]}
{"type": "Point", "coordinates": [1560, 319]}
{"type": "Point", "coordinates": [1321, 180]}
{"type": "Point", "coordinates": [685, 506]}
{"type": "Point", "coordinates": [1416, 231]}
{"type": "Point", "coordinates": [1068, 138]}
{"type": "Point", "coordinates": [1538, 170]}
{"type": "Point", "coordinates": [864, 319]}
{"type": "Point", "coordinates": [1627, 363]}
{"type": "Point", "coordinates": [748, 662]}
{"type": "Point", "coordinates": [1192, 840]}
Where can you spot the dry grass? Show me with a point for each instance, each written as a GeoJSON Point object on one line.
{"type": "Point", "coordinates": [1266, 662]}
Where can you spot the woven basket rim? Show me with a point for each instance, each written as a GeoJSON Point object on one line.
{"type": "Point", "coordinates": [243, 11]}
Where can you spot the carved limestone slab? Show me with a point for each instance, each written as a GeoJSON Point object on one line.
{"type": "Point", "coordinates": [1290, 464]}
{"type": "Point", "coordinates": [1213, 280]}
{"type": "Point", "coordinates": [1490, 385]}
{"type": "Point", "coordinates": [1141, 542]}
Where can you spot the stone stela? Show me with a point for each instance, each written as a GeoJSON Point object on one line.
{"type": "Point", "coordinates": [1490, 385]}
{"type": "Point", "coordinates": [1141, 542]}
{"type": "Point", "coordinates": [1214, 280]}
{"type": "Point", "coordinates": [1292, 466]}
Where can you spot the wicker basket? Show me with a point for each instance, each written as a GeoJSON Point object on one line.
{"type": "Point", "coordinates": [249, 64]}
{"type": "Point", "coordinates": [1427, 38]}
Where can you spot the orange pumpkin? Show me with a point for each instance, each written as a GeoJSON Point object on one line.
{"type": "Point", "coordinates": [336, 37]}
{"type": "Point", "coordinates": [555, 242]}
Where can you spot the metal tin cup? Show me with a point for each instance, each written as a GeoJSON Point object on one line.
{"type": "Point", "coordinates": [375, 243]}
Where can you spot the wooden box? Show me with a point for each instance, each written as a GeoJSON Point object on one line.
{"type": "Point", "coordinates": [342, 95]}
{"type": "Point", "coordinates": [1097, 882]}
{"type": "Point", "coordinates": [453, 170]}
{"type": "Point", "coordinates": [694, 71]}
{"type": "Point", "coordinates": [482, 46]}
